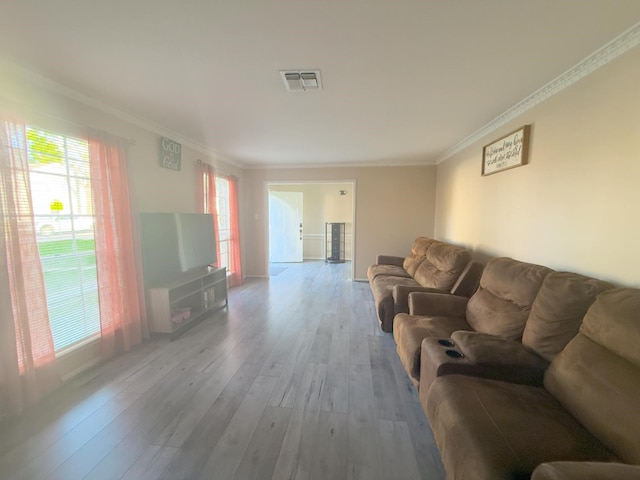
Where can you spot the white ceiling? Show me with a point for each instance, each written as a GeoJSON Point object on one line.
{"type": "Point", "coordinates": [403, 80]}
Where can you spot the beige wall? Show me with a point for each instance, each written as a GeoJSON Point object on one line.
{"type": "Point", "coordinates": [575, 206]}
{"type": "Point", "coordinates": [393, 206]}
{"type": "Point", "coordinates": [322, 203]}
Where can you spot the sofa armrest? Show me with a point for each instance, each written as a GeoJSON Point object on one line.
{"type": "Point", "coordinates": [500, 358]}
{"type": "Point", "coordinates": [389, 260]}
{"type": "Point", "coordinates": [437, 304]}
{"type": "Point", "coordinates": [401, 296]}
{"type": "Point", "coordinates": [585, 471]}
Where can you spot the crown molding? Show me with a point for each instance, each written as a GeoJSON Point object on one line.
{"type": "Point", "coordinates": [59, 89]}
{"type": "Point", "coordinates": [389, 163]}
{"type": "Point", "coordinates": [616, 47]}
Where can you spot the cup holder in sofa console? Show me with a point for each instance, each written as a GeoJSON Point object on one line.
{"type": "Point", "coordinates": [445, 342]}
{"type": "Point", "coordinates": [454, 353]}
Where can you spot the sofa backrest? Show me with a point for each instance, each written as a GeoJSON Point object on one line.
{"type": "Point", "coordinates": [558, 310]}
{"type": "Point", "coordinates": [502, 303]}
{"type": "Point", "coordinates": [442, 266]}
{"type": "Point", "coordinates": [417, 255]}
{"type": "Point", "coordinates": [597, 376]}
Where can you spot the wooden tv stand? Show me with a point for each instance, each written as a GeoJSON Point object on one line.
{"type": "Point", "coordinates": [180, 304]}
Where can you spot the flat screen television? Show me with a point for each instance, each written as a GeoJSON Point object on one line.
{"type": "Point", "coordinates": [174, 243]}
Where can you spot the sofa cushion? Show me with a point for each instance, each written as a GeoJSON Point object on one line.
{"type": "Point", "coordinates": [417, 255]}
{"type": "Point", "coordinates": [442, 266]}
{"type": "Point", "coordinates": [597, 376]}
{"type": "Point", "coordinates": [558, 310]}
{"type": "Point", "coordinates": [381, 269]}
{"type": "Point", "coordinates": [491, 430]}
{"type": "Point", "coordinates": [503, 301]}
{"type": "Point", "coordinates": [420, 246]}
{"type": "Point", "coordinates": [411, 263]}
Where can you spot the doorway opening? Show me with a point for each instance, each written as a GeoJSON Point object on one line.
{"type": "Point", "coordinates": [298, 213]}
{"type": "Point", "coordinates": [285, 226]}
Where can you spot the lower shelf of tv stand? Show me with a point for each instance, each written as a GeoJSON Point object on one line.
{"type": "Point", "coordinates": [192, 323]}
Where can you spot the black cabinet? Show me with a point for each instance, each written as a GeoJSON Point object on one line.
{"type": "Point", "coordinates": [334, 241]}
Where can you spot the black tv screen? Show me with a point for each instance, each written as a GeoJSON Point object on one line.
{"type": "Point", "coordinates": [174, 243]}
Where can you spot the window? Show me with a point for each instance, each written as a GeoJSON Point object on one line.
{"type": "Point", "coordinates": [64, 221]}
{"type": "Point", "coordinates": [223, 190]}
{"type": "Point", "coordinates": [224, 220]}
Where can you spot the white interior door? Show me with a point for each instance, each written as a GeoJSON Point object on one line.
{"type": "Point", "coordinates": [285, 227]}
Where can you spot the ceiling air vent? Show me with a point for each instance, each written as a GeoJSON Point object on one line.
{"type": "Point", "coordinates": [301, 80]}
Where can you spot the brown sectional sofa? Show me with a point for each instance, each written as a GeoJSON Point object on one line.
{"type": "Point", "coordinates": [556, 315]}
{"type": "Point", "coordinates": [499, 308]}
{"type": "Point", "coordinates": [535, 376]}
{"type": "Point", "coordinates": [430, 266]}
{"type": "Point", "coordinates": [586, 411]}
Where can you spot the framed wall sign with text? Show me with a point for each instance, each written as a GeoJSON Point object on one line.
{"type": "Point", "coordinates": [170, 154]}
{"type": "Point", "coordinates": [507, 152]}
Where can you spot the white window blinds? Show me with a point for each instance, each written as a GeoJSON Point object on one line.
{"type": "Point", "coordinates": [64, 222]}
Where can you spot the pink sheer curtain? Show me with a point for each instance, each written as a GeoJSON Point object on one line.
{"type": "Point", "coordinates": [207, 197]}
{"type": "Point", "coordinates": [235, 260]}
{"type": "Point", "coordinates": [27, 355]}
{"type": "Point", "coordinates": [122, 315]}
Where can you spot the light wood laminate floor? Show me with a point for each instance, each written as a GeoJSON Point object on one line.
{"type": "Point", "coordinates": [295, 381]}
